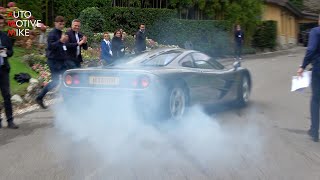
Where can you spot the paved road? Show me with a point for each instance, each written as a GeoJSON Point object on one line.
{"type": "Point", "coordinates": [266, 140]}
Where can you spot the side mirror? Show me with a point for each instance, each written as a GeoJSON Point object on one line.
{"type": "Point", "coordinates": [236, 65]}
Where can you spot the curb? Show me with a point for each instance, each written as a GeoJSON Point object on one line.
{"type": "Point", "coordinates": [266, 54]}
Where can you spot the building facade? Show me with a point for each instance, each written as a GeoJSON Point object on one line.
{"type": "Point", "coordinates": [288, 20]}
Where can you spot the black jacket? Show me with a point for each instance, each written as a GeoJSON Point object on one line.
{"type": "Point", "coordinates": [54, 48]}
{"type": "Point", "coordinates": [140, 41]}
{"type": "Point", "coordinates": [239, 36]}
{"type": "Point", "coordinates": [72, 46]}
{"type": "Point", "coordinates": [6, 43]}
{"type": "Point", "coordinates": [116, 46]}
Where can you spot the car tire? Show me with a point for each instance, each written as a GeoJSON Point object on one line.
{"type": "Point", "coordinates": [176, 103]}
{"type": "Point", "coordinates": [244, 90]}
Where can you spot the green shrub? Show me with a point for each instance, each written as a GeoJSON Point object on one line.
{"type": "Point", "coordinates": [265, 35]}
{"type": "Point", "coordinates": [129, 19]}
{"type": "Point", "coordinates": [91, 22]}
{"type": "Point", "coordinates": [71, 9]}
{"type": "Point", "coordinates": [129, 43]}
{"type": "Point", "coordinates": [212, 37]}
{"type": "Point", "coordinates": [32, 59]}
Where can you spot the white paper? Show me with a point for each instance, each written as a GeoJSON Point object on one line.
{"type": "Point", "coordinates": [299, 83]}
{"type": "Point", "coordinates": [3, 53]}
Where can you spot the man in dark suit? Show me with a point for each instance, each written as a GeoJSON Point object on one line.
{"type": "Point", "coordinates": [5, 52]}
{"type": "Point", "coordinates": [76, 41]}
{"type": "Point", "coordinates": [238, 39]}
{"type": "Point", "coordinates": [56, 54]}
{"type": "Point", "coordinates": [140, 40]}
{"type": "Point", "coordinates": [312, 56]}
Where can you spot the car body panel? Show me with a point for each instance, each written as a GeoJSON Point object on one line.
{"type": "Point", "coordinates": [204, 86]}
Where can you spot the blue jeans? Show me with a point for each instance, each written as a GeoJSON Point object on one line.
{"type": "Point", "coordinates": [57, 68]}
{"type": "Point", "coordinates": [315, 103]}
{"type": "Point", "coordinates": [238, 50]}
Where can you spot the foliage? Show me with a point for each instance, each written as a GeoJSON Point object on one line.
{"type": "Point", "coordinates": [33, 58]}
{"type": "Point", "coordinates": [248, 18]}
{"type": "Point", "coordinates": [297, 3]}
{"type": "Point", "coordinates": [43, 72]}
{"type": "Point", "coordinates": [71, 9]}
{"type": "Point", "coordinates": [129, 43]}
{"type": "Point", "coordinates": [212, 37]}
{"type": "Point", "coordinates": [35, 6]}
{"type": "Point", "coordinates": [129, 19]}
{"type": "Point", "coordinates": [18, 66]}
{"type": "Point", "coordinates": [266, 35]}
{"type": "Point", "coordinates": [38, 63]}
{"type": "Point", "coordinates": [91, 22]}
{"type": "Point", "coordinates": [91, 54]}
{"type": "Point", "coordinates": [91, 18]}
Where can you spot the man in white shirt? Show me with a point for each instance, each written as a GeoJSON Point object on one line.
{"type": "Point", "coordinates": [74, 45]}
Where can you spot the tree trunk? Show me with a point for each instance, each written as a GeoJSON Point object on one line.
{"type": "Point", "coordinates": [47, 11]}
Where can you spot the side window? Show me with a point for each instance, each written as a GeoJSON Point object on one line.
{"type": "Point", "coordinates": [203, 64]}
{"type": "Point", "coordinates": [187, 61]}
{"type": "Point", "coordinates": [206, 62]}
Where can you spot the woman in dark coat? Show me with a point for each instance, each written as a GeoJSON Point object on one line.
{"type": "Point", "coordinates": [117, 45]}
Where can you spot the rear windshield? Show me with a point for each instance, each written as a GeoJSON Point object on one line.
{"type": "Point", "coordinates": [161, 59]}
{"type": "Point", "coordinates": [147, 59]}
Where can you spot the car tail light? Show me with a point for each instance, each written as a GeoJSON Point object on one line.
{"type": "Point", "coordinates": [71, 79]}
{"type": "Point", "coordinates": [135, 83]}
{"type": "Point", "coordinates": [145, 81]}
{"type": "Point", "coordinates": [141, 82]}
{"type": "Point", "coordinates": [76, 80]}
{"type": "Point", "coordinates": [68, 79]}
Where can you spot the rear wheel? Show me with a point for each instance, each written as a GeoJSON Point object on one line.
{"type": "Point", "coordinates": [176, 102]}
{"type": "Point", "coordinates": [244, 91]}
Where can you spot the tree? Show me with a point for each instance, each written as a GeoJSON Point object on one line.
{"type": "Point", "coordinates": [297, 3]}
{"type": "Point", "coordinates": [248, 18]}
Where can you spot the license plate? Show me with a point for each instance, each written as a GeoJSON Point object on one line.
{"type": "Point", "coordinates": [101, 80]}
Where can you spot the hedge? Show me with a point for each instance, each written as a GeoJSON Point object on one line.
{"type": "Point", "coordinates": [129, 19]}
{"type": "Point", "coordinates": [265, 35]}
{"type": "Point", "coordinates": [212, 37]}
{"type": "Point", "coordinates": [162, 25]}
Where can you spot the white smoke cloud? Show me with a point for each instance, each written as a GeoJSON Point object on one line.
{"type": "Point", "coordinates": [116, 131]}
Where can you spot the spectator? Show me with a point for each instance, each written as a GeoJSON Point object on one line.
{"type": "Point", "coordinates": [140, 39]}
{"type": "Point", "coordinates": [239, 39]}
{"type": "Point", "coordinates": [106, 52]}
{"type": "Point", "coordinates": [6, 52]}
{"type": "Point", "coordinates": [313, 56]}
{"type": "Point", "coordinates": [76, 41]}
{"type": "Point", "coordinates": [117, 45]}
{"type": "Point", "coordinates": [56, 54]}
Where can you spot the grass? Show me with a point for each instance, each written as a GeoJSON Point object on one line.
{"type": "Point", "coordinates": [18, 66]}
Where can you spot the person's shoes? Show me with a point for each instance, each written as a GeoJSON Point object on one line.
{"type": "Point", "coordinates": [40, 103]}
{"type": "Point", "coordinates": [310, 133]}
{"type": "Point", "coordinates": [315, 138]}
{"type": "Point", "coordinates": [12, 125]}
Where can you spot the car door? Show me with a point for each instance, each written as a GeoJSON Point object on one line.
{"type": "Point", "coordinates": [218, 79]}
{"type": "Point", "coordinates": [194, 79]}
